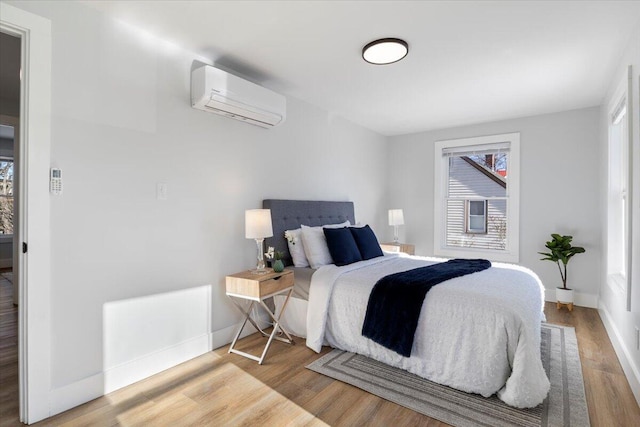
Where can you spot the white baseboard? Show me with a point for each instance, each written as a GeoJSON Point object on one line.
{"type": "Point", "coordinates": [86, 389]}
{"type": "Point", "coordinates": [135, 370]}
{"type": "Point", "coordinates": [580, 299]}
{"type": "Point", "coordinates": [76, 393]}
{"type": "Point", "coordinates": [112, 379]}
{"type": "Point", "coordinates": [624, 355]}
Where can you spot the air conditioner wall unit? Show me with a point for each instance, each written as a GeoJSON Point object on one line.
{"type": "Point", "coordinates": [220, 92]}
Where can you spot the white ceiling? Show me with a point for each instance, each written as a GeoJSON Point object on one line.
{"type": "Point", "coordinates": [468, 62]}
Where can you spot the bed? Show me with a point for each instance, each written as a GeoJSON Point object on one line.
{"type": "Point", "coordinates": [478, 333]}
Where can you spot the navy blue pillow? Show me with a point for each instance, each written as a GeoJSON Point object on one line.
{"type": "Point", "coordinates": [342, 246]}
{"type": "Point", "coordinates": [367, 242]}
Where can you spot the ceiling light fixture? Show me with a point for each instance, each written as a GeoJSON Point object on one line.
{"type": "Point", "coordinates": [385, 51]}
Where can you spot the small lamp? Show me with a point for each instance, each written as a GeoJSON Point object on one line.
{"type": "Point", "coordinates": [257, 225]}
{"type": "Point", "coordinates": [396, 218]}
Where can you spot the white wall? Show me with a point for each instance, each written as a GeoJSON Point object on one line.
{"type": "Point", "coordinates": [121, 123]}
{"type": "Point", "coordinates": [560, 172]}
{"type": "Point", "coordinates": [621, 324]}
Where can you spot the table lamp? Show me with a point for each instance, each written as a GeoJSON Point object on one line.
{"type": "Point", "coordinates": [257, 225]}
{"type": "Point", "coordinates": [396, 218]}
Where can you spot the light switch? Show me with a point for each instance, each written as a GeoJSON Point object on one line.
{"type": "Point", "coordinates": [161, 191]}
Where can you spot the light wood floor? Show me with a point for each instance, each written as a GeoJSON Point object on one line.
{"type": "Point", "coordinates": [219, 389]}
{"type": "Point", "coordinates": [9, 411]}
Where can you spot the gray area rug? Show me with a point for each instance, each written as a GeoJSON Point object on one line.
{"type": "Point", "coordinates": [564, 406]}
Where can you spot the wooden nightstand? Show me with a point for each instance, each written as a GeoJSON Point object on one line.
{"type": "Point", "coordinates": [407, 248]}
{"type": "Point", "coordinates": [257, 288]}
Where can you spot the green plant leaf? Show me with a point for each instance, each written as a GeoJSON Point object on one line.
{"type": "Point", "coordinates": [560, 250]}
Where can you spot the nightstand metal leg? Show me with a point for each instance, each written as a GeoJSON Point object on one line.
{"type": "Point", "coordinates": [266, 347]}
{"type": "Point", "coordinates": [276, 320]}
{"type": "Point", "coordinates": [247, 315]}
{"type": "Point", "coordinates": [284, 306]}
{"type": "Point", "coordinates": [272, 336]}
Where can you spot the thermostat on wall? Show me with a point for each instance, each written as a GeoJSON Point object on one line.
{"type": "Point", "coordinates": [55, 181]}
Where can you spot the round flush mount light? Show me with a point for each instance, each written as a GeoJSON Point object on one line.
{"type": "Point", "coordinates": [385, 51]}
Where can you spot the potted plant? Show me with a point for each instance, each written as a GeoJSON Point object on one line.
{"type": "Point", "coordinates": [561, 251]}
{"type": "Point", "coordinates": [275, 257]}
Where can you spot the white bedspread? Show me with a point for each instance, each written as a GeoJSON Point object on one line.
{"type": "Point", "coordinates": [478, 333]}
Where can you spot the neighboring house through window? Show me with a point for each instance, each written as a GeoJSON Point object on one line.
{"type": "Point", "coordinates": [476, 197]}
{"type": "Point", "coordinates": [6, 196]}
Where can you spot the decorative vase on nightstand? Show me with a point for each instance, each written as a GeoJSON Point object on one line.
{"type": "Point", "coordinates": [278, 266]}
{"type": "Point", "coordinates": [275, 257]}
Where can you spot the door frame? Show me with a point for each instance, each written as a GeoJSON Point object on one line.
{"type": "Point", "coordinates": [34, 308]}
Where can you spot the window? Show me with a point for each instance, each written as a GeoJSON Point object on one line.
{"type": "Point", "coordinates": [476, 218]}
{"type": "Point", "coordinates": [6, 196]}
{"type": "Point", "coordinates": [618, 213]}
{"type": "Point", "coordinates": [476, 197]}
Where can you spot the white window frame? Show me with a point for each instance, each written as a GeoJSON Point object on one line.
{"type": "Point", "coordinates": [511, 253]}
{"type": "Point", "coordinates": [467, 219]}
{"type": "Point", "coordinates": [619, 280]}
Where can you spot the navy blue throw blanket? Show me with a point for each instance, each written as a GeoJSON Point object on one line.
{"type": "Point", "coordinates": [396, 301]}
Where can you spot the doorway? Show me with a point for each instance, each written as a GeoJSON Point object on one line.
{"type": "Point", "coordinates": [31, 232]}
{"type": "Point", "coordinates": [10, 66]}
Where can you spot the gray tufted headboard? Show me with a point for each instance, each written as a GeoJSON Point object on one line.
{"type": "Point", "coordinates": [290, 214]}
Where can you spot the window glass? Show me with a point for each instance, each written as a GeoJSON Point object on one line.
{"type": "Point", "coordinates": [476, 221]}
{"type": "Point", "coordinates": [475, 176]}
{"type": "Point", "coordinates": [6, 196]}
{"type": "Point", "coordinates": [617, 216]}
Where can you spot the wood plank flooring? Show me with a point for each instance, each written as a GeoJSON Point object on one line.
{"type": "Point", "coordinates": [218, 389]}
{"type": "Point", "coordinates": [9, 410]}
{"type": "Point", "coordinates": [609, 396]}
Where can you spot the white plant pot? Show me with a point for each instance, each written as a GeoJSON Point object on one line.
{"type": "Point", "coordinates": [564, 296]}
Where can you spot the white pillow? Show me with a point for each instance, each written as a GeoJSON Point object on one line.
{"type": "Point", "coordinates": [315, 244]}
{"type": "Point", "coordinates": [296, 248]}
